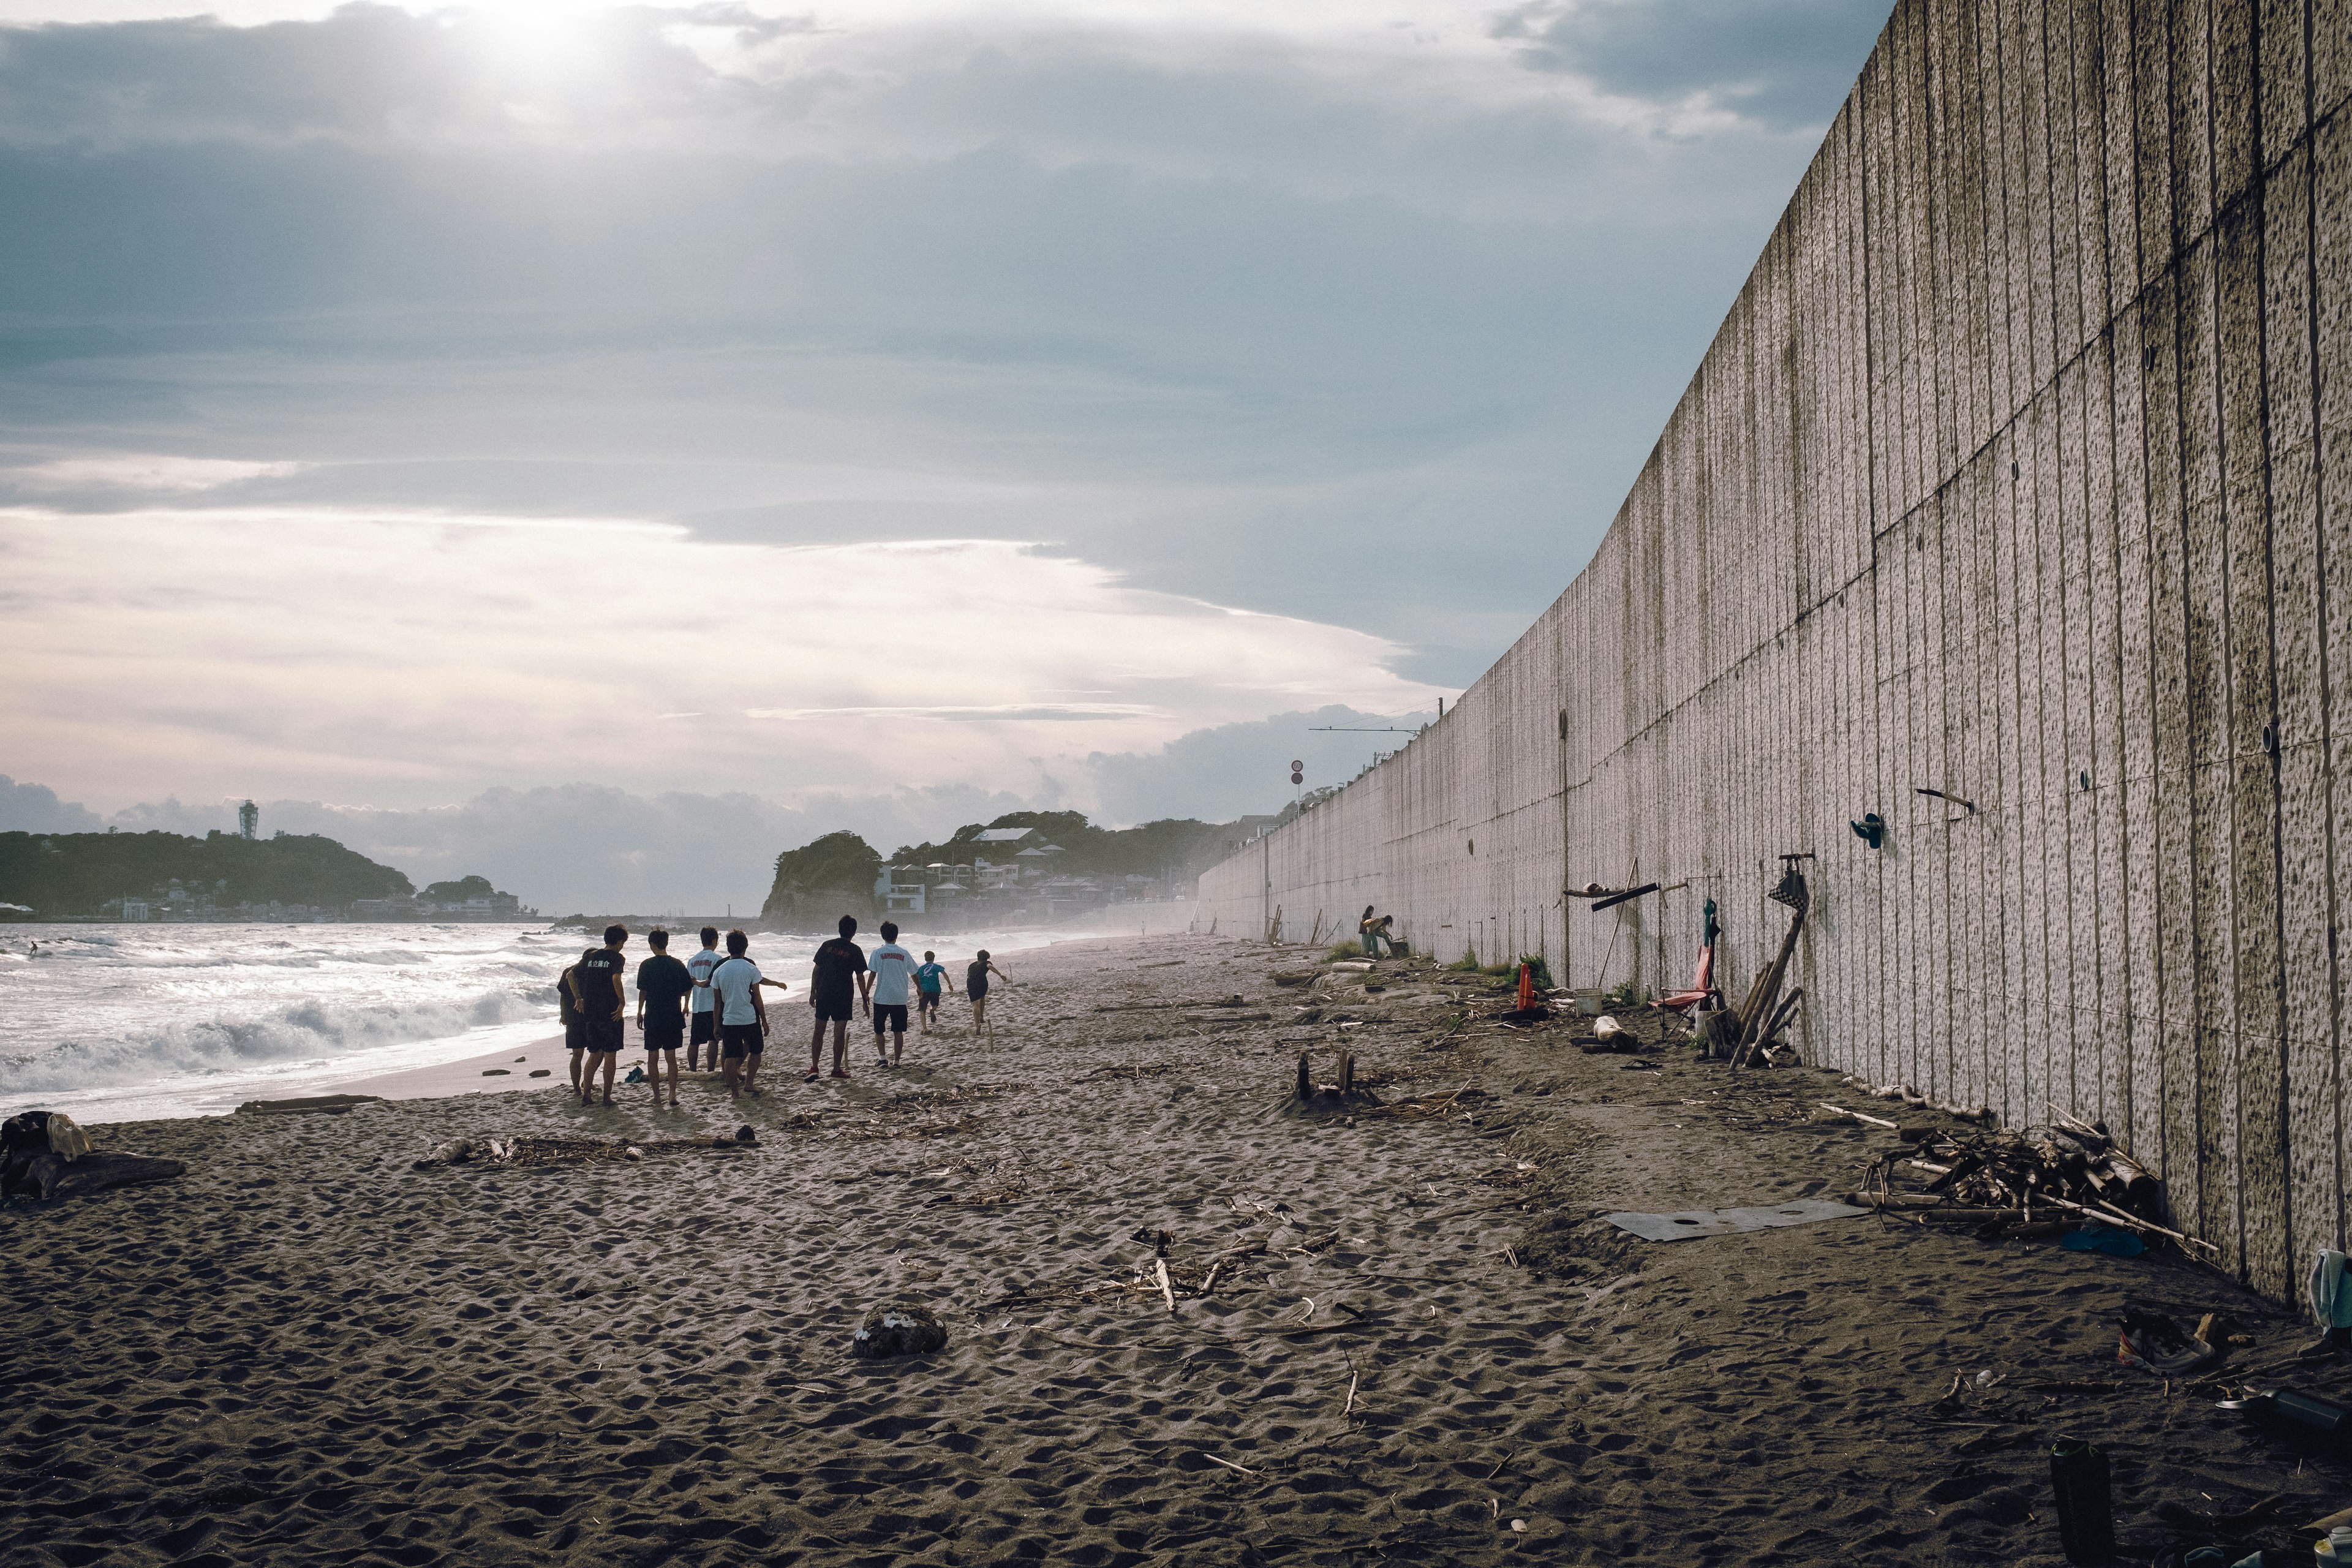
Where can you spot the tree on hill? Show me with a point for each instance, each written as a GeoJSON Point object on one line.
{"type": "Point", "coordinates": [823, 881]}
{"type": "Point", "coordinates": [79, 873]}
{"type": "Point", "coordinates": [1147, 850]}
{"type": "Point", "coordinates": [458, 891]}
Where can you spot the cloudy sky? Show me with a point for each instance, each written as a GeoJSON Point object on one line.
{"type": "Point", "coordinates": [485, 426]}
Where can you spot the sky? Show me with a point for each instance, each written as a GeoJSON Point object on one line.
{"type": "Point", "coordinates": [482, 430]}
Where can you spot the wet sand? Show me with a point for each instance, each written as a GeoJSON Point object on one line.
{"type": "Point", "coordinates": [493, 1072]}
{"type": "Point", "coordinates": [1420, 1346]}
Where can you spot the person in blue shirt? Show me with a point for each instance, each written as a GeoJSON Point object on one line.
{"type": "Point", "coordinates": [930, 979]}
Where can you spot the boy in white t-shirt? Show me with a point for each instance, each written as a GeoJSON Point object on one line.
{"type": "Point", "coordinates": [702, 1005]}
{"type": "Point", "coordinates": [892, 966]}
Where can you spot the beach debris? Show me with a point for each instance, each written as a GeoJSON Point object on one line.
{"type": "Point", "coordinates": [497, 1072]}
{"type": "Point", "coordinates": [317, 1104]}
{"type": "Point", "coordinates": [1243, 1469]}
{"type": "Point", "coordinates": [1167, 1290]}
{"type": "Point", "coordinates": [1309, 1097]}
{"type": "Point", "coordinates": [2106, 1238]}
{"type": "Point", "coordinates": [538, 1151]}
{"type": "Point", "coordinates": [2086, 1519]}
{"type": "Point", "coordinates": [1606, 1027]}
{"type": "Point", "coordinates": [52, 1177]}
{"type": "Point", "coordinates": [1429, 1107]}
{"type": "Point", "coordinates": [899, 1329]}
{"type": "Point", "coordinates": [2150, 1338]}
{"type": "Point", "coordinates": [2070, 1170]}
{"type": "Point", "coordinates": [2304, 1414]}
{"type": "Point", "coordinates": [32, 1133]}
{"type": "Point", "coordinates": [1691, 1225]}
{"type": "Point", "coordinates": [44, 1155]}
{"type": "Point", "coordinates": [542, 1072]}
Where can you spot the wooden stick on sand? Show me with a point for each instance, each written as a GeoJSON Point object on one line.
{"type": "Point", "coordinates": [1166, 1288]}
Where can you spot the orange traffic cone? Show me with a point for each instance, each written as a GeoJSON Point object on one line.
{"type": "Point", "coordinates": [1527, 987]}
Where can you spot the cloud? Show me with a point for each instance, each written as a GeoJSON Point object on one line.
{"type": "Point", "coordinates": [410, 655]}
{"type": "Point", "coordinates": [1786, 63]}
{"type": "Point", "coordinates": [544, 391]}
{"type": "Point", "coordinates": [35, 808]}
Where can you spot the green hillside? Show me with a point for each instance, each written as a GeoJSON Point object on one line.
{"type": "Point", "coordinates": [76, 873]}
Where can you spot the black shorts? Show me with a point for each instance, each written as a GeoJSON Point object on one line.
{"type": "Point", "coordinates": [737, 1041]}
{"type": "Point", "coordinates": [927, 1002]}
{"type": "Point", "coordinates": [833, 1009]}
{"type": "Point", "coordinates": [664, 1031]}
{"type": "Point", "coordinates": [602, 1034]}
{"type": "Point", "coordinates": [706, 1028]}
{"type": "Point", "coordinates": [575, 1035]}
{"type": "Point", "coordinates": [890, 1016]}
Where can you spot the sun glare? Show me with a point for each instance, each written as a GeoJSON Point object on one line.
{"type": "Point", "coordinates": [538, 41]}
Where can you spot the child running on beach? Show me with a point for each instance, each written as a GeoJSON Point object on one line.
{"type": "Point", "coordinates": [596, 974]}
{"type": "Point", "coordinates": [836, 975]}
{"type": "Point", "coordinates": [742, 1017]}
{"type": "Point", "coordinates": [892, 966]}
{"type": "Point", "coordinates": [663, 983]}
{"type": "Point", "coordinates": [704, 1015]}
{"type": "Point", "coordinates": [929, 979]}
{"type": "Point", "coordinates": [975, 985]}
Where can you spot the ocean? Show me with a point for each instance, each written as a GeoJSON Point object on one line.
{"type": "Point", "coordinates": [127, 1023]}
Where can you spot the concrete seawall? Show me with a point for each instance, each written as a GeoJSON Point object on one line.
{"type": "Point", "coordinates": [2019, 470]}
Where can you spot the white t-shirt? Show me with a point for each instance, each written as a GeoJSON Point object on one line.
{"type": "Point", "coordinates": [698, 1000]}
{"type": "Point", "coordinates": [735, 979]}
{"type": "Point", "coordinates": [891, 964]}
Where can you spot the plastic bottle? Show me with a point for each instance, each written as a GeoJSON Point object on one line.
{"type": "Point", "coordinates": [2336, 1548]}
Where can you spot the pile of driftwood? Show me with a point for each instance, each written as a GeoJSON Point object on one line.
{"type": "Point", "coordinates": [2051, 1178]}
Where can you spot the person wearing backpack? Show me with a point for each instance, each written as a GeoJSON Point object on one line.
{"type": "Point", "coordinates": [575, 1038]}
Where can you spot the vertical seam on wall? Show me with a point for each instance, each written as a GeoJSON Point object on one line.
{"type": "Point", "coordinates": [2319, 577]}
{"type": "Point", "coordinates": [2127, 1078]}
{"type": "Point", "coordinates": [2259, 212]}
{"type": "Point", "coordinates": [2235, 1085]}
{"type": "Point", "coordinates": [2063, 1006]}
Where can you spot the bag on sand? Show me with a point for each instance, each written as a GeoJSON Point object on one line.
{"type": "Point", "coordinates": [37, 1132]}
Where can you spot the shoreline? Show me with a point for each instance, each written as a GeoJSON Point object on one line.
{"type": "Point", "coordinates": [467, 1075]}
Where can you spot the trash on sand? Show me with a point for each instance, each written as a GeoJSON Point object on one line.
{"type": "Point", "coordinates": [1606, 1027]}
{"type": "Point", "coordinates": [636, 1075]}
{"type": "Point", "coordinates": [2102, 1238]}
{"type": "Point", "coordinates": [2336, 1548]}
{"type": "Point", "coordinates": [1689, 1224]}
{"type": "Point", "coordinates": [2151, 1339]}
{"type": "Point", "coordinates": [2086, 1520]}
{"type": "Point", "coordinates": [2301, 1413]}
{"type": "Point", "coordinates": [2329, 1292]}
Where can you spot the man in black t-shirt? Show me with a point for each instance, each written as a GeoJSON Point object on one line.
{"type": "Point", "coordinates": [601, 996]}
{"type": "Point", "coordinates": [662, 986]}
{"type": "Point", "coordinates": [837, 977]}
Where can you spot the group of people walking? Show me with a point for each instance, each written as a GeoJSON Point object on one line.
{"type": "Point", "coordinates": [711, 1004]}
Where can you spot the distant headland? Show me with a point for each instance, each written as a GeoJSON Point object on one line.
{"type": "Point", "coordinates": [139, 876]}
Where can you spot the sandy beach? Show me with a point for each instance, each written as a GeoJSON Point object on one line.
{"type": "Point", "coordinates": [1420, 1344]}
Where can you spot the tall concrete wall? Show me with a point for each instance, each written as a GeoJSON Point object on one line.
{"type": "Point", "coordinates": [2018, 469]}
